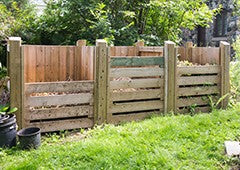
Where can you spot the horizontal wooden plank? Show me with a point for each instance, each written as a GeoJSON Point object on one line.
{"type": "Point", "coordinates": [116, 119]}
{"type": "Point", "coordinates": [137, 95]}
{"type": "Point", "coordinates": [134, 61]}
{"type": "Point", "coordinates": [59, 100]}
{"type": "Point", "coordinates": [136, 72]}
{"type": "Point", "coordinates": [68, 87]}
{"type": "Point", "coordinates": [191, 101]}
{"type": "Point", "coordinates": [188, 70]}
{"type": "Point", "coordinates": [135, 106]}
{"type": "Point", "coordinates": [51, 126]}
{"type": "Point", "coordinates": [196, 110]}
{"type": "Point", "coordinates": [194, 91]}
{"type": "Point", "coordinates": [136, 83]}
{"type": "Point", "coordinates": [63, 112]}
{"type": "Point", "coordinates": [196, 80]}
{"type": "Point", "coordinates": [151, 49]}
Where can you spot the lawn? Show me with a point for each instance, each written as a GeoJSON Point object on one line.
{"type": "Point", "coordinates": [170, 142]}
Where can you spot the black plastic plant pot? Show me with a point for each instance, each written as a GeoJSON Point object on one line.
{"type": "Point", "coordinates": [29, 138]}
{"type": "Point", "coordinates": [8, 131]}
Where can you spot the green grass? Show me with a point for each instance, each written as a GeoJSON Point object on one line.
{"type": "Point", "coordinates": [170, 142]}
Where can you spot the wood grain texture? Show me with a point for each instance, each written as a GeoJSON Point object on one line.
{"type": "Point", "coordinates": [58, 100]}
{"type": "Point", "coordinates": [67, 87]}
{"type": "Point", "coordinates": [52, 126]}
{"type": "Point", "coordinates": [116, 119]}
{"type": "Point", "coordinates": [136, 72]}
{"type": "Point", "coordinates": [137, 95]}
{"type": "Point", "coordinates": [63, 112]}
{"type": "Point", "coordinates": [190, 101]}
{"type": "Point", "coordinates": [225, 55]}
{"type": "Point", "coordinates": [197, 80]}
{"type": "Point", "coordinates": [16, 73]}
{"type": "Point", "coordinates": [170, 77]}
{"type": "Point", "coordinates": [136, 83]}
{"type": "Point", "coordinates": [136, 61]}
{"type": "Point", "coordinates": [194, 91]}
{"type": "Point", "coordinates": [188, 70]}
{"type": "Point", "coordinates": [135, 106]}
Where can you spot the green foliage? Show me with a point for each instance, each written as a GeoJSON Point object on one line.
{"type": "Point", "coordinates": [235, 73]}
{"type": "Point", "coordinates": [17, 18]}
{"type": "Point", "coordinates": [7, 110]}
{"type": "Point", "coordinates": [121, 22]}
{"type": "Point", "coordinates": [170, 142]}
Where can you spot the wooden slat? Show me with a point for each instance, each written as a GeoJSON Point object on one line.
{"type": "Point", "coordinates": [40, 63]}
{"type": "Point", "coordinates": [59, 100]}
{"type": "Point", "coordinates": [136, 106]}
{"type": "Point", "coordinates": [137, 95]}
{"type": "Point", "coordinates": [51, 126]}
{"type": "Point", "coordinates": [116, 119]}
{"type": "Point", "coordinates": [195, 80]}
{"type": "Point", "coordinates": [136, 72]}
{"type": "Point", "coordinates": [193, 91]}
{"type": "Point", "coordinates": [214, 69]}
{"type": "Point", "coordinates": [204, 55]}
{"type": "Point", "coordinates": [69, 87]}
{"type": "Point", "coordinates": [196, 110]}
{"type": "Point", "coordinates": [137, 61]}
{"type": "Point", "coordinates": [183, 102]}
{"type": "Point", "coordinates": [123, 51]}
{"type": "Point", "coordinates": [64, 112]}
{"type": "Point", "coordinates": [136, 83]}
{"type": "Point", "coordinates": [151, 49]}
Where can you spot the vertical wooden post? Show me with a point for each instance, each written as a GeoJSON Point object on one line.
{"type": "Point", "coordinates": [225, 77]}
{"type": "Point", "coordinates": [81, 43]}
{"type": "Point", "coordinates": [80, 61]}
{"type": "Point", "coordinates": [138, 44]}
{"type": "Point", "coordinates": [16, 73]}
{"type": "Point", "coordinates": [188, 51]}
{"type": "Point", "coordinates": [170, 67]}
{"type": "Point", "coordinates": [101, 83]}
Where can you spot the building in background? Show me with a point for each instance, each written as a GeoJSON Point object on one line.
{"type": "Point", "coordinates": [223, 28]}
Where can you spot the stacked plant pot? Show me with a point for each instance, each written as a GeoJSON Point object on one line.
{"type": "Point", "coordinates": [8, 130]}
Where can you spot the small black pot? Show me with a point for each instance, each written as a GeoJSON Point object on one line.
{"type": "Point", "coordinates": [8, 130]}
{"type": "Point", "coordinates": [29, 137]}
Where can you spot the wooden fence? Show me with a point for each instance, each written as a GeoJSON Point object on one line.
{"type": "Point", "coordinates": [67, 87]}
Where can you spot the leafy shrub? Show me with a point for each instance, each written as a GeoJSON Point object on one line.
{"type": "Point", "coordinates": [235, 72]}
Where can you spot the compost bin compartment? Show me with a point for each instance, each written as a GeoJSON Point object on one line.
{"type": "Point", "coordinates": [29, 138]}
{"type": "Point", "coordinates": [8, 130]}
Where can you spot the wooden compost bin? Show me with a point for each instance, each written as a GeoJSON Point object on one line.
{"type": "Point", "coordinates": [68, 87]}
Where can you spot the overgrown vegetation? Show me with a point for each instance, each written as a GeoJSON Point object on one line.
{"type": "Point", "coordinates": [235, 73]}
{"type": "Point", "coordinates": [171, 142]}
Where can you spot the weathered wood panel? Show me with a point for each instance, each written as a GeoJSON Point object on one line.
{"type": "Point", "coordinates": [183, 102]}
{"type": "Point", "coordinates": [188, 70]}
{"type": "Point", "coordinates": [123, 51]}
{"type": "Point", "coordinates": [136, 72]}
{"type": "Point", "coordinates": [196, 80]}
{"type": "Point", "coordinates": [205, 55]}
{"type": "Point", "coordinates": [136, 61]}
{"type": "Point", "coordinates": [51, 126]}
{"type": "Point", "coordinates": [116, 119]}
{"type": "Point", "coordinates": [194, 91]}
{"type": "Point", "coordinates": [66, 87]}
{"type": "Point", "coordinates": [59, 100]}
{"type": "Point", "coordinates": [58, 63]}
{"type": "Point", "coordinates": [135, 106]}
{"type": "Point", "coordinates": [196, 110]}
{"type": "Point", "coordinates": [137, 95]}
{"type": "Point", "coordinates": [63, 112]}
{"type": "Point", "coordinates": [136, 83]}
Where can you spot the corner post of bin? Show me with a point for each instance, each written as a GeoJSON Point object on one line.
{"type": "Point", "coordinates": [16, 73]}
{"type": "Point", "coordinates": [225, 72]}
{"type": "Point", "coordinates": [138, 45]}
{"type": "Point", "coordinates": [101, 83]}
{"type": "Point", "coordinates": [170, 68]}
